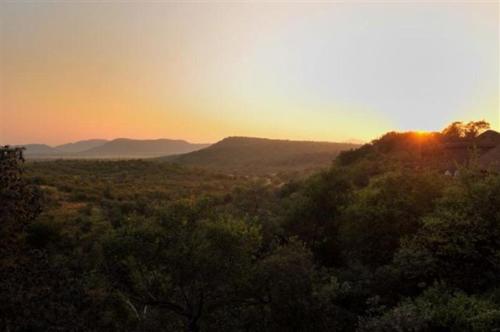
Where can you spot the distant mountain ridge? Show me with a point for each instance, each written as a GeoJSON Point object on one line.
{"type": "Point", "coordinates": [117, 148]}
{"type": "Point", "coordinates": [262, 155]}
{"type": "Point", "coordinates": [123, 147]}
{"type": "Point", "coordinates": [39, 149]}
{"type": "Point", "coordinates": [236, 154]}
{"type": "Point", "coordinates": [81, 146]}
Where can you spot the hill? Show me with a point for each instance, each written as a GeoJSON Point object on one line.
{"type": "Point", "coordinates": [80, 146]}
{"type": "Point", "coordinates": [34, 150]}
{"type": "Point", "coordinates": [130, 148]}
{"type": "Point", "coordinates": [260, 155]}
{"type": "Point", "coordinates": [430, 150]}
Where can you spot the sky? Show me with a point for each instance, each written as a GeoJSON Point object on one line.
{"type": "Point", "coordinates": [201, 71]}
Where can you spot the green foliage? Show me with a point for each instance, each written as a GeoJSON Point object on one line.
{"type": "Point", "coordinates": [459, 242]}
{"type": "Point", "coordinates": [438, 309]}
{"type": "Point", "coordinates": [189, 268]}
{"type": "Point", "coordinates": [38, 293]}
{"type": "Point", "coordinates": [19, 202]}
{"type": "Point", "coordinates": [391, 207]}
{"type": "Point", "coordinates": [381, 241]}
{"type": "Point", "coordinates": [315, 211]}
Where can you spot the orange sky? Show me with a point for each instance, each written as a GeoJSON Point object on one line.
{"type": "Point", "coordinates": [205, 71]}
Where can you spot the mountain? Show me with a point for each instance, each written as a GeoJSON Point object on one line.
{"type": "Point", "coordinates": [260, 155]}
{"type": "Point", "coordinates": [39, 150]}
{"type": "Point", "coordinates": [131, 148]}
{"type": "Point", "coordinates": [80, 146]}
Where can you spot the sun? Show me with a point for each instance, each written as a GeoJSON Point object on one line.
{"type": "Point", "coordinates": [421, 135]}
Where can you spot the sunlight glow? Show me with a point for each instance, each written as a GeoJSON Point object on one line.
{"type": "Point", "coordinates": [323, 71]}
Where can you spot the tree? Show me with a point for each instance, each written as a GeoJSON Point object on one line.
{"type": "Point", "coordinates": [390, 208]}
{"type": "Point", "coordinates": [454, 130]}
{"type": "Point", "coordinates": [314, 213]}
{"type": "Point", "coordinates": [474, 128]}
{"type": "Point", "coordinates": [458, 129]}
{"type": "Point", "coordinates": [20, 202]}
{"type": "Point", "coordinates": [38, 293]}
{"type": "Point", "coordinates": [190, 270]}
{"type": "Point", "coordinates": [458, 242]}
{"type": "Point", "coordinates": [438, 308]}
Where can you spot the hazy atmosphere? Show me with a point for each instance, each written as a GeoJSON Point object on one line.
{"type": "Point", "coordinates": [249, 166]}
{"type": "Point", "coordinates": [203, 71]}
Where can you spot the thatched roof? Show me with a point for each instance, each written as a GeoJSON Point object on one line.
{"type": "Point", "coordinates": [488, 139]}
{"type": "Point", "coordinates": [491, 159]}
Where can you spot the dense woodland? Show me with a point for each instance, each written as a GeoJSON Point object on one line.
{"type": "Point", "coordinates": [260, 156]}
{"type": "Point", "coordinates": [395, 236]}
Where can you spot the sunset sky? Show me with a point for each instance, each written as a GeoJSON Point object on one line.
{"type": "Point", "coordinates": [202, 71]}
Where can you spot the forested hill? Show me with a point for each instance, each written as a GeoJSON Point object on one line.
{"type": "Point", "coordinates": [259, 155]}
{"type": "Point", "coordinates": [440, 151]}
